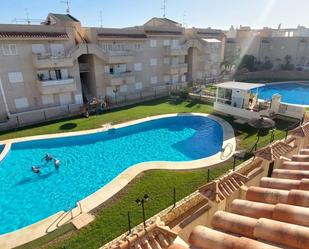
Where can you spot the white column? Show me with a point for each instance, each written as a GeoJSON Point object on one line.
{"type": "Point", "coordinates": [4, 99]}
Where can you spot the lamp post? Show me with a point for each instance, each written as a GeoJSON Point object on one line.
{"type": "Point", "coordinates": [141, 202]}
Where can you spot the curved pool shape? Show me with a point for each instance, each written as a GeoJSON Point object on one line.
{"type": "Point", "coordinates": [291, 93]}
{"type": "Point", "coordinates": [88, 162]}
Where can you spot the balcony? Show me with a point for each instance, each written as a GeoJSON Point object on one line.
{"type": "Point", "coordinates": [120, 79]}
{"type": "Point", "coordinates": [57, 86]}
{"type": "Point", "coordinates": [181, 68]}
{"type": "Point", "coordinates": [49, 61]}
{"type": "Point", "coordinates": [115, 57]}
{"type": "Point", "coordinates": [176, 51]}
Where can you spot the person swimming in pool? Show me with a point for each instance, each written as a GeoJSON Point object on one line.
{"type": "Point", "coordinates": [57, 164]}
{"type": "Point", "coordinates": [48, 157]}
{"type": "Point", "coordinates": [35, 170]}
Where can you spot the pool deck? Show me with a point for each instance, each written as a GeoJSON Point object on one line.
{"type": "Point", "coordinates": [41, 228]}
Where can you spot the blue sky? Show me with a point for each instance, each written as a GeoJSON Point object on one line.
{"type": "Point", "coordinates": [198, 13]}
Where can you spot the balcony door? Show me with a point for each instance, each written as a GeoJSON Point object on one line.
{"type": "Point", "coordinates": [57, 49]}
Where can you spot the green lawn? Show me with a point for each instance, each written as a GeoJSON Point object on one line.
{"type": "Point", "coordinates": [142, 110]}
{"type": "Point", "coordinates": [111, 219]}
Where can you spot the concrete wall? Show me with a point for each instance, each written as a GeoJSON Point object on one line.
{"type": "Point", "coordinates": [269, 75]}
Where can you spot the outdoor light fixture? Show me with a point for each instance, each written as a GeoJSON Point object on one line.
{"type": "Point", "coordinates": [141, 202]}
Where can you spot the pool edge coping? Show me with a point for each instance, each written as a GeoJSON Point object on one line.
{"type": "Point", "coordinates": [39, 229]}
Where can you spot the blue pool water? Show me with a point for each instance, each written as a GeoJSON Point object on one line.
{"type": "Point", "coordinates": [89, 162]}
{"type": "Point", "coordinates": [291, 93]}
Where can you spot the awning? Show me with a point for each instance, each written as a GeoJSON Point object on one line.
{"type": "Point", "coordinates": [239, 85]}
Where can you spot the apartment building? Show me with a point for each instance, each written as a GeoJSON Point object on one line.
{"type": "Point", "coordinates": [37, 70]}
{"type": "Point", "coordinates": [205, 53]}
{"type": "Point", "coordinates": [269, 44]}
{"type": "Point", "coordinates": [50, 70]}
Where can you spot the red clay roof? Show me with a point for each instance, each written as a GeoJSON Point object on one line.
{"type": "Point", "coordinates": [301, 131]}
{"type": "Point", "coordinates": [274, 215]}
{"type": "Point", "coordinates": [274, 151]}
{"type": "Point", "coordinates": [38, 35]}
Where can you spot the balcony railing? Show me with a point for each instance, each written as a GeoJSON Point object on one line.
{"type": "Point", "coordinates": [180, 68]}
{"type": "Point", "coordinates": [120, 57]}
{"type": "Point", "coordinates": [176, 50]}
{"type": "Point", "coordinates": [50, 61]}
{"type": "Point", "coordinates": [57, 86]}
{"type": "Point", "coordinates": [120, 78]}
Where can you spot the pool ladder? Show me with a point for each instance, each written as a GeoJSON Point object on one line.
{"type": "Point", "coordinates": [63, 215]}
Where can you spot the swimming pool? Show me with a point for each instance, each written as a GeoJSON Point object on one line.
{"type": "Point", "coordinates": [291, 93]}
{"type": "Point", "coordinates": [89, 162]}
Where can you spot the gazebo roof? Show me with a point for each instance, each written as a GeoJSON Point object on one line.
{"type": "Point", "coordinates": [301, 131]}
{"type": "Point", "coordinates": [239, 85]}
{"type": "Point", "coordinates": [274, 151]}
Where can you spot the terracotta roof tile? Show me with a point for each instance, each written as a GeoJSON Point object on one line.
{"type": "Point", "coordinates": [274, 151]}
{"type": "Point", "coordinates": [274, 215]}
{"type": "Point", "coordinates": [38, 35]}
{"type": "Point", "coordinates": [301, 131]}
{"type": "Point", "coordinates": [156, 235]}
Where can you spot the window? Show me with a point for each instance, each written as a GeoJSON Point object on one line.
{"type": "Point", "coordinates": [138, 85]}
{"type": "Point", "coordinates": [119, 68]}
{"type": "Point", "coordinates": [16, 77]}
{"type": "Point", "coordinates": [175, 43]}
{"type": "Point", "coordinates": [9, 49]}
{"type": "Point", "coordinates": [78, 99]}
{"type": "Point", "coordinates": [153, 62]}
{"type": "Point", "coordinates": [154, 80]}
{"type": "Point", "coordinates": [38, 49]}
{"type": "Point", "coordinates": [21, 103]}
{"type": "Point", "coordinates": [175, 78]}
{"type": "Point", "coordinates": [166, 61]}
{"type": "Point", "coordinates": [183, 78]}
{"type": "Point", "coordinates": [65, 98]}
{"type": "Point", "coordinates": [153, 43]}
{"type": "Point", "coordinates": [106, 69]}
{"type": "Point", "coordinates": [138, 67]}
{"type": "Point", "coordinates": [57, 49]}
{"type": "Point", "coordinates": [64, 74]}
{"type": "Point", "coordinates": [166, 79]}
{"type": "Point", "coordinates": [43, 75]}
{"type": "Point", "coordinates": [166, 43]}
{"type": "Point", "coordinates": [123, 88]}
{"type": "Point", "coordinates": [47, 99]}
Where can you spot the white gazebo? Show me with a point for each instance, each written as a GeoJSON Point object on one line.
{"type": "Point", "coordinates": [237, 99]}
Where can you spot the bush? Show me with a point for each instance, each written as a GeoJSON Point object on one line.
{"type": "Point", "coordinates": [288, 67]}
{"type": "Point", "coordinates": [184, 92]}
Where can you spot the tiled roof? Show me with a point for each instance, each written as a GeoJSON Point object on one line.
{"type": "Point", "coordinates": [274, 151]}
{"type": "Point", "coordinates": [120, 35]}
{"type": "Point", "coordinates": [65, 17]}
{"type": "Point", "coordinates": [301, 131]}
{"type": "Point", "coordinates": [220, 189]}
{"type": "Point", "coordinates": [38, 35]}
{"type": "Point", "coordinates": [167, 32]}
{"type": "Point", "coordinates": [154, 236]}
{"type": "Point", "coordinates": [274, 215]}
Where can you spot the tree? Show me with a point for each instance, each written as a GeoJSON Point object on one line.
{"type": "Point", "coordinates": [288, 65]}
{"type": "Point", "coordinates": [247, 62]}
